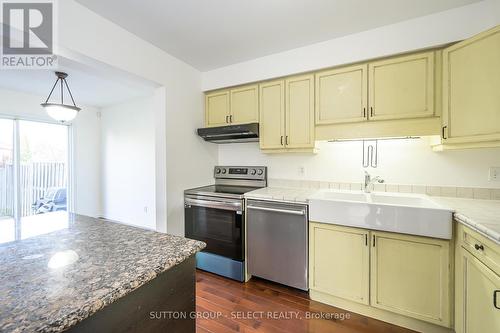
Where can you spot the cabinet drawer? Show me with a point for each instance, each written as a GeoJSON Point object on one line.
{"type": "Point", "coordinates": [481, 247]}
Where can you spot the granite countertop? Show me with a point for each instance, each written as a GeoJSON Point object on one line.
{"type": "Point", "coordinates": [49, 283]}
{"type": "Point", "coordinates": [300, 195]}
{"type": "Point", "coordinates": [480, 215]}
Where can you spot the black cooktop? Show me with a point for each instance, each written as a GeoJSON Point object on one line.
{"type": "Point", "coordinates": [224, 190]}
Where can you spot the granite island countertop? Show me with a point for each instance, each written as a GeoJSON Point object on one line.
{"type": "Point", "coordinates": [49, 283]}
{"type": "Point", "coordinates": [480, 215]}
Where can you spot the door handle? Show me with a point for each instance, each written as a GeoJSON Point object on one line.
{"type": "Point", "coordinates": [373, 241]}
{"type": "Point", "coordinates": [282, 140]}
{"type": "Point", "coordinates": [495, 299]}
{"type": "Point", "coordinates": [443, 129]}
{"type": "Point", "coordinates": [479, 247]}
{"type": "Point", "coordinates": [277, 210]}
{"type": "Point", "coordinates": [371, 111]}
{"type": "Point", "coordinates": [230, 118]}
{"type": "Point", "coordinates": [227, 119]}
{"type": "Point", "coordinates": [364, 112]}
{"type": "Point", "coordinates": [286, 140]}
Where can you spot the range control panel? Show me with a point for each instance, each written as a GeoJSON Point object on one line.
{"type": "Point", "coordinates": [248, 172]}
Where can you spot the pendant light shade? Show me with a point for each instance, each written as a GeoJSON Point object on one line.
{"type": "Point", "coordinates": [60, 111]}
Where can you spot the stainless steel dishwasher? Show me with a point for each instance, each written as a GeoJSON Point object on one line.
{"type": "Point", "coordinates": [277, 242]}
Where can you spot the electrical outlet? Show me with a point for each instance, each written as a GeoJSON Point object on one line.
{"type": "Point", "coordinates": [495, 174]}
{"type": "Point", "coordinates": [146, 209]}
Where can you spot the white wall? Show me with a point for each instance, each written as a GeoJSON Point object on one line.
{"type": "Point", "coordinates": [128, 162]}
{"type": "Point", "coordinates": [400, 162]}
{"type": "Point", "coordinates": [86, 143]}
{"type": "Point", "coordinates": [182, 160]}
{"type": "Point", "coordinates": [424, 32]}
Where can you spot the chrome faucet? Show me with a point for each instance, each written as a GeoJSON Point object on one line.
{"type": "Point", "coordinates": [369, 181]}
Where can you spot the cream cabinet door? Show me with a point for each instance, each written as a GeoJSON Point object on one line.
{"type": "Point", "coordinates": [217, 107]}
{"type": "Point", "coordinates": [471, 98]}
{"type": "Point", "coordinates": [339, 261]}
{"type": "Point", "coordinates": [299, 108]}
{"type": "Point", "coordinates": [245, 105]}
{"type": "Point", "coordinates": [272, 115]}
{"type": "Point", "coordinates": [342, 95]}
{"type": "Point", "coordinates": [478, 291]}
{"type": "Point", "coordinates": [402, 87]}
{"type": "Point", "coordinates": [411, 276]}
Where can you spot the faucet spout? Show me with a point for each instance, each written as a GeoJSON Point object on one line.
{"type": "Point", "coordinates": [369, 181]}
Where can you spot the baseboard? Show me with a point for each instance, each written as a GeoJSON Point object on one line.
{"type": "Point", "coordinates": [386, 316]}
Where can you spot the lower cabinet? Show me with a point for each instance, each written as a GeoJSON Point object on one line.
{"type": "Point", "coordinates": [349, 276]}
{"type": "Point", "coordinates": [390, 274]}
{"type": "Point", "coordinates": [410, 275]}
{"type": "Point", "coordinates": [477, 283]}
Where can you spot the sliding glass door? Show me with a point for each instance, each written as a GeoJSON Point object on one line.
{"type": "Point", "coordinates": [33, 178]}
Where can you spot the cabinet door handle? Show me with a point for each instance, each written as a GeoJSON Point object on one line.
{"type": "Point", "coordinates": [479, 247]}
{"type": "Point", "coordinates": [373, 240]}
{"type": "Point", "coordinates": [443, 131]}
{"type": "Point", "coordinates": [282, 140]}
{"type": "Point", "coordinates": [364, 112]}
{"type": "Point", "coordinates": [371, 111]}
{"type": "Point", "coordinates": [366, 239]}
{"type": "Point", "coordinates": [231, 118]}
{"type": "Point", "coordinates": [227, 119]}
{"type": "Point", "coordinates": [286, 140]}
{"type": "Point", "coordinates": [495, 299]}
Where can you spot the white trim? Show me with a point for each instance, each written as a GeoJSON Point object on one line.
{"type": "Point", "coordinates": [71, 182]}
{"type": "Point", "coordinates": [35, 119]}
{"type": "Point", "coordinates": [16, 173]}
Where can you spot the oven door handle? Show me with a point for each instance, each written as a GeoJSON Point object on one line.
{"type": "Point", "coordinates": [233, 206]}
{"type": "Point", "coordinates": [276, 210]}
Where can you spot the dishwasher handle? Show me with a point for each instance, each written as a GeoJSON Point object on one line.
{"type": "Point", "coordinates": [277, 210]}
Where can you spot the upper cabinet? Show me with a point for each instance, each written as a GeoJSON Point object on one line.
{"type": "Point", "coordinates": [342, 95]}
{"type": "Point", "coordinates": [245, 105]}
{"type": "Point", "coordinates": [217, 109]}
{"type": "Point", "coordinates": [272, 115]}
{"type": "Point", "coordinates": [232, 106]}
{"type": "Point", "coordinates": [397, 96]}
{"type": "Point", "coordinates": [287, 114]}
{"type": "Point", "coordinates": [471, 77]}
{"type": "Point", "coordinates": [402, 87]}
{"type": "Point", "coordinates": [299, 112]}
{"type": "Point", "coordinates": [450, 93]}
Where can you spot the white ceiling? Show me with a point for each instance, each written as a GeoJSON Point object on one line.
{"type": "Point", "coordinates": [89, 87]}
{"type": "Point", "coordinates": [209, 34]}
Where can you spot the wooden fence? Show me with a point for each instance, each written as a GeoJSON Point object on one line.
{"type": "Point", "coordinates": [6, 190]}
{"type": "Point", "coordinates": [35, 180]}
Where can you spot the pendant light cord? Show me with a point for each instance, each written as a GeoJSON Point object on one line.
{"type": "Point", "coordinates": [62, 91]}
{"type": "Point", "coordinates": [53, 87]}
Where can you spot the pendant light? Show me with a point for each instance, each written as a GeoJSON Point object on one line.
{"type": "Point", "coordinates": [60, 111]}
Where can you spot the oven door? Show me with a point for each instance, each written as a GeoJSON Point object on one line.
{"type": "Point", "coordinates": [218, 222]}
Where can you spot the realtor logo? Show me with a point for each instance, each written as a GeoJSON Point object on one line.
{"type": "Point", "coordinates": [28, 34]}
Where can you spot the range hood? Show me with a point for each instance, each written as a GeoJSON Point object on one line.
{"type": "Point", "coordinates": [231, 133]}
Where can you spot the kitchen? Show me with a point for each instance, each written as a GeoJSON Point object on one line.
{"type": "Point", "coordinates": [338, 184]}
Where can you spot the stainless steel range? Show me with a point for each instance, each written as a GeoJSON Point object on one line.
{"type": "Point", "coordinates": [216, 215]}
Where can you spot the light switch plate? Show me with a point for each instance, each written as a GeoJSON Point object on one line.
{"type": "Point", "coordinates": [495, 174]}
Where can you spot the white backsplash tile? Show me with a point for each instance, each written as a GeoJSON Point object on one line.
{"type": "Point", "coordinates": [448, 191]}
{"type": "Point", "coordinates": [482, 193]}
{"type": "Point", "coordinates": [419, 189]}
{"type": "Point", "coordinates": [441, 191]}
{"type": "Point", "coordinates": [465, 192]}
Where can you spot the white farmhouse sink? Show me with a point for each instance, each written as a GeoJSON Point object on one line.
{"type": "Point", "coordinates": [412, 214]}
